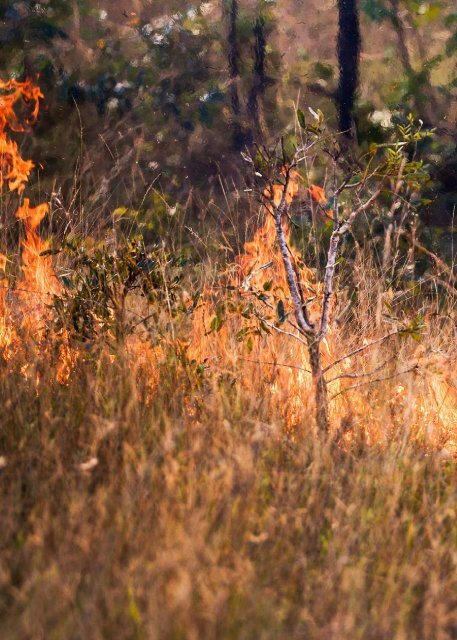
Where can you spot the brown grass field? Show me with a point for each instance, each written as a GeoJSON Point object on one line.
{"type": "Point", "coordinates": [168, 482]}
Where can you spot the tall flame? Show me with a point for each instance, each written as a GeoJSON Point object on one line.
{"type": "Point", "coordinates": [15, 96]}
{"type": "Point", "coordinates": [19, 108]}
{"type": "Point", "coordinates": [37, 269]}
{"type": "Point", "coordinates": [282, 363]}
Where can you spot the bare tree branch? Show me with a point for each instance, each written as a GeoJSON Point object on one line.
{"type": "Point", "coordinates": [365, 374]}
{"type": "Point", "coordinates": [270, 325]}
{"type": "Point", "coordinates": [374, 381]}
{"type": "Point", "coordinates": [360, 349]}
{"type": "Point", "coordinates": [299, 310]}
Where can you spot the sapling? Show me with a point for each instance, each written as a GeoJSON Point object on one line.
{"type": "Point", "coordinates": [385, 171]}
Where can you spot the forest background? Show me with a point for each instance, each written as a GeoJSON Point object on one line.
{"type": "Point", "coordinates": [148, 106]}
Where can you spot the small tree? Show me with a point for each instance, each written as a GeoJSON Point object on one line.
{"type": "Point", "coordinates": [389, 171]}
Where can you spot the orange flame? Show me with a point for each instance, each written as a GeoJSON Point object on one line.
{"type": "Point", "coordinates": [15, 95]}
{"type": "Point", "coordinates": [317, 194]}
{"type": "Point", "coordinates": [282, 363]}
{"type": "Point", "coordinates": [289, 383]}
{"type": "Point", "coordinates": [38, 273]}
{"type": "Point", "coordinates": [275, 194]}
{"type": "Point", "coordinates": [19, 107]}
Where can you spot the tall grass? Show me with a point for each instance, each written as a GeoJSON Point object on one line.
{"type": "Point", "coordinates": [164, 491]}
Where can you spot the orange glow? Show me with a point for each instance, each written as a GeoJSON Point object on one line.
{"type": "Point", "coordinates": [275, 194]}
{"type": "Point", "coordinates": [317, 194]}
{"type": "Point", "coordinates": [270, 361]}
{"type": "Point", "coordinates": [38, 273]}
{"type": "Point", "coordinates": [19, 107]}
{"type": "Point", "coordinates": [281, 363]}
{"type": "Point", "coordinates": [15, 96]}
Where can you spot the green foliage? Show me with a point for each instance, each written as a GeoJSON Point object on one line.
{"type": "Point", "coordinates": [376, 10]}
{"type": "Point", "coordinates": [156, 80]}
{"type": "Point", "coordinates": [94, 302]}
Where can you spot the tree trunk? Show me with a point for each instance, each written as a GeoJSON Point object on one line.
{"type": "Point", "coordinates": [239, 137]}
{"type": "Point", "coordinates": [348, 48]}
{"type": "Point", "coordinates": [320, 385]}
{"type": "Point", "coordinates": [426, 104]}
{"type": "Point", "coordinates": [233, 56]}
{"type": "Point", "coordinates": [313, 337]}
{"type": "Point", "coordinates": [259, 81]}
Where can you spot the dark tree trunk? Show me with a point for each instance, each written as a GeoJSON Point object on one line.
{"type": "Point", "coordinates": [239, 136]}
{"type": "Point", "coordinates": [348, 47]}
{"type": "Point", "coordinates": [233, 56]}
{"type": "Point", "coordinates": [260, 80]}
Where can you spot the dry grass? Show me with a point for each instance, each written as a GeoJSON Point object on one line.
{"type": "Point", "coordinates": [151, 498]}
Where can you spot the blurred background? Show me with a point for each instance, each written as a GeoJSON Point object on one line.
{"type": "Point", "coordinates": [148, 104]}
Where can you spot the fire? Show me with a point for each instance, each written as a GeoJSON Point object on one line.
{"type": "Point", "coordinates": [14, 95]}
{"type": "Point", "coordinates": [317, 194]}
{"type": "Point", "coordinates": [19, 108]}
{"type": "Point", "coordinates": [5, 328]}
{"type": "Point", "coordinates": [276, 192]}
{"type": "Point", "coordinates": [262, 252]}
{"type": "Point", "coordinates": [39, 276]}
{"type": "Point", "coordinates": [276, 363]}
{"type": "Point", "coordinates": [281, 363]}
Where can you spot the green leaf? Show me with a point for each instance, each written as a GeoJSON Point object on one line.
{"type": "Point", "coordinates": [324, 71]}
{"type": "Point", "coordinates": [375, 10]}
{"type": "Point", "coordinates": [281, 312]}
{"type": "Point", "coordinates": [450, 20]}
{"type": "Point", "coordinates": [120, 211]}
{"type": "Point", "coordinates": [301, 119]}
{"type": "Point", "coordinates": [50, 252]}
{"type": "Point", "coordinates": [216, 323]}
{"type": "Point", "coordinates": [451, 45]}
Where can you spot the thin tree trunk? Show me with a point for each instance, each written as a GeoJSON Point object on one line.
{"type": "Point", "coordinates": [387, 252]}
{"type": "Point", "coordinates": [401, 37]}
{"type": "Point", "coordinates": [260, 81]}
{"type": "Point", "coordinates": [319, 383]}
{"type": "Point", "coordinates": [231, 13]}
{"type": "Point", "coordinates": [426, 109]}
{"type": "Point", "coordinates": [300, 312]}
{"type": "Point", "coordinates": [328, 281]}
{"type": "Point", "coordinates": [312, 335]}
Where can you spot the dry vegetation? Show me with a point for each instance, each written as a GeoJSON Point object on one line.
{"type": "Point", "coordinates": [185, 507]}
{"type": "Point", "coordinates": [168, 481]}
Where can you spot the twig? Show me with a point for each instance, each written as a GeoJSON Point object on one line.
{"type": "Point", "coordinates": [277, 364]}
{"type": "Point", "coordinates": [362, 348]}
{"type": "Point", "coordinates": [437, 260]}
{"type": "Point", "coordinates": [339, 231]}
{"type": "Point", "coordinates": [374, 381]}
{"type": "Point", "coordinates": [279, 330]}
{"type": "Point", "coordinates": [361, 375]}
{"type": "Point", "coordinates": [246, 284]}
{"type": "Point", "coordinates": [449, 287]}
{"type": "Point", "coordinates": [390, 217]}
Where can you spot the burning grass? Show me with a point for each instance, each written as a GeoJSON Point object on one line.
{"type": "Point", "coordinates": [161, 474]}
